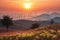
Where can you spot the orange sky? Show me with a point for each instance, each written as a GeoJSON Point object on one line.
{"type": "Point", "coordinates": [9, 6]}
{"type": "Point", "coordinates": [38, 5]}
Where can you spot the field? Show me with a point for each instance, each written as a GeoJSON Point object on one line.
{"type": "Point", "coordinates": [42, 33]}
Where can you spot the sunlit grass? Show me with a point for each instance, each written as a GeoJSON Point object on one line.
{"type": "Point", "coordinates": [42, 34]}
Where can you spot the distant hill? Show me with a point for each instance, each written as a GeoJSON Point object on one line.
{"type": "Point", "coordinates": [57, 20]}
{"type": "Point", "coordinates": [43, 17]}
{"type": "Point", "coordinates": [55, 14]}
{"type": "Point", "coordinates": [26, 24]}
{"type": "Point", "coordinates": [20, 24]}
{"type": "Point", "coordinates": [46, 16]}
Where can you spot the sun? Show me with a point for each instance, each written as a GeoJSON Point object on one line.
{"type": "Point", "coordinates": [27, 5]}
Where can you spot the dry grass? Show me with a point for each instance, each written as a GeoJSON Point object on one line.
{"type": "Point", "coordinates": [51, 32]}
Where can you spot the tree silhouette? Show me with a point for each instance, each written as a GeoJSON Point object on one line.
{"type": "Point", "coordinates": [6, 21]}
{"type": "Point", "coordinates": [35, 25]}
{"type": "Point", "coordinates": [52, 21]}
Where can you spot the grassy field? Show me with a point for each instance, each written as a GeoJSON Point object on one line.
{"type": "Point", "coordinates": [43, 33]}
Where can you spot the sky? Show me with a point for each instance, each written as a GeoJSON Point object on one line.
{"type": "Point", "coordinates": [15, 8]}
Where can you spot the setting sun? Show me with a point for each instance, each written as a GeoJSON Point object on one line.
{"type": "Point", "coordinates": [27, 5]}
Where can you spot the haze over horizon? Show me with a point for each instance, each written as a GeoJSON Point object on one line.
{"type": "Point", "coordinates": [16, 8]}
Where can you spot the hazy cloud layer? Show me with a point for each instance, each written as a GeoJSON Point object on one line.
{"type": "Point", "coordinates": [14, 8]}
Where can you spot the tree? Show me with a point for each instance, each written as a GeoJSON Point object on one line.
{"type": "Point", "coordinates": [52, 21]}
{"type": "Point", "coordinates": [35, 25]}
{"type": "Point", "coordinates": [6, 21]}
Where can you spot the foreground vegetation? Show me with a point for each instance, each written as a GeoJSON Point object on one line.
{"type": "Point", "coordinates": [43, 33]}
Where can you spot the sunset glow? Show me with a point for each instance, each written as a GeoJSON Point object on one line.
{"type": "Point", "coordinates": [27, 5]}
{"type": "Point", "coordinates": [38, 5]}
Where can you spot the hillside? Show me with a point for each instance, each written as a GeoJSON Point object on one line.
{"type": "Point", "coordinates": [24, 24]}
{"type": "Point", "coordinates": [51, 32]}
